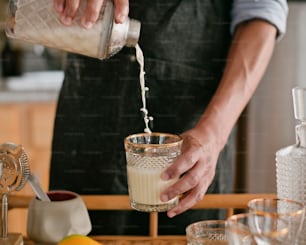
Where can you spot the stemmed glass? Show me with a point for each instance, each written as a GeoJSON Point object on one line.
{"type": "Point", "coordinates": [257, 228]}
{"type": "Point", "coordinates": [291, 211]}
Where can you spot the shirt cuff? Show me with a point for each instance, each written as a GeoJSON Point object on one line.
{"type": "Point", "coordinates": [272, 11]}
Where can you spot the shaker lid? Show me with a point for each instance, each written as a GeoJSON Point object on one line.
{"type": "Point", "coordinates": [133, 33]}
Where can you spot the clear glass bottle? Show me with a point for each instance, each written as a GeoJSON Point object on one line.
{"type": "Point", "coordinates": [291, 160]}
{"type": "Point", "coordinates": [37, 22]}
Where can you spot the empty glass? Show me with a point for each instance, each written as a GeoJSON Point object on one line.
{"type": "Point", "coordinates": [291, 211]}
{"type": "Point", "coordinates": [147, 156]}
{"type": "Point", "coordinates": [257, 228]}
{"type": "Point", "coordinates": [207, 232]}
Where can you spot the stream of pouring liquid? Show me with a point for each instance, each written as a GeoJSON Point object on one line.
{"type": "Point", "coordinates": [144, 89]}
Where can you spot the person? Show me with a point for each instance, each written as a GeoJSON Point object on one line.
{"type": "Point", "coordinates": [203, 62]}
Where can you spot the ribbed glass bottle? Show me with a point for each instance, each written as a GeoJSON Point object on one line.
{"type": "Point", "coordinates": [291, 160]}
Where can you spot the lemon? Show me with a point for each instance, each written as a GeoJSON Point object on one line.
{"type": "Point", "coordinates": [77, 239]}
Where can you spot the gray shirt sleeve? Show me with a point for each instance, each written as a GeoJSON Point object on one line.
{"type": "Point", "coordinates": [273, 11]}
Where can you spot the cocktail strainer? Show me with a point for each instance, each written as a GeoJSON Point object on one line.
{"type": "Point", "coordinates": [14, 173]}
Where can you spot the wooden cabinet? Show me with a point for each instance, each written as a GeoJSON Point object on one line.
{"type": "Point", "coordinates": [29, 124]}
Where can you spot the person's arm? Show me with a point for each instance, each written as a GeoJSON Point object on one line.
{"type": "Point", "coordinates": [248, 58]}
{"type": "Point", "coordinates": [68, 10]}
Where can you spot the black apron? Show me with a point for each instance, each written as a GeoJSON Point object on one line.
{"type": "Point", "coordinates": [185, 43]}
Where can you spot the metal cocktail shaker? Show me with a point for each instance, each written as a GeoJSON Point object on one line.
{"type": "Point", "coordinates": [35, 21]}
{"type": "Point", "coordinates": [291, 160]}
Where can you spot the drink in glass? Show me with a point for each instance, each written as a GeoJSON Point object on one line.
{"type": "Point", "coordinates": [148, 155]}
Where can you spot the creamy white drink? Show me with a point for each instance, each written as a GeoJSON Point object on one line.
{"type": "Point", "coordinates": [144, 89]}
{"type": "Point", "coordinates": [145, 184]}
{"type": "Point", "coordinates": [148, 154]}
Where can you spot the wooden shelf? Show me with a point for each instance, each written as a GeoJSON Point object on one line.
{"type": "Point", "coordinates": [29, 124]}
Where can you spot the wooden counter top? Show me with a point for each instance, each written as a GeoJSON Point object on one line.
{"type": "Point", "coordinates": [132, 240]}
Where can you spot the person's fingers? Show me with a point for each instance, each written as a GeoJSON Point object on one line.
{"type": "Point", "coordinates": [187, 201]}
{"type": "Point", "coordinates": [183, 163]}
{"type": "Point", "coordinates": [189, 181]}
{"type": "Point", "coordinates": [121, 10]}
{"type": "Point", "coordinates": [70, 10]}
{"type": "Point", "coordinates": [91, 13]}
{"type": "Point", "coordinates": [191, 197]}
{"type": "Point", "coordinates": [59, 6]}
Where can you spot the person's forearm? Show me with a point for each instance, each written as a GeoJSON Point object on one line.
{"type": "Point", "coordinates": [249, 55]}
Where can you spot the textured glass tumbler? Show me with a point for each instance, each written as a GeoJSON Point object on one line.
{"type": "Point", "coordinates": [205, 232]}
{"type": "Point", "coordinates": [147, 156]}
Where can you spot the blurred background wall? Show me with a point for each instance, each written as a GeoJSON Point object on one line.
{"type": "Point", "coordinates": [271, 123]}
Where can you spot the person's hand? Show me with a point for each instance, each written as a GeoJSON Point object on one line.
{"type": "Point", "coordinates": [69, 8]}
{"type": "Point", "coordinates": [196, 165]}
